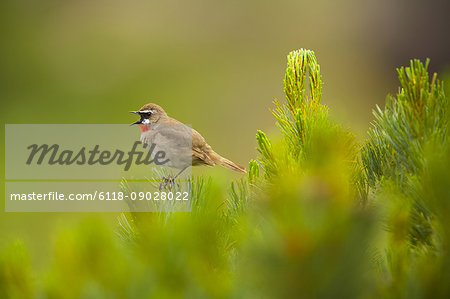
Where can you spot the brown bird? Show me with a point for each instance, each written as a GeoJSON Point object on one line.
{"type": "Point", "coordinates": [177, 140]}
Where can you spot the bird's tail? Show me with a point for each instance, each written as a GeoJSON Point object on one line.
{"type": "Point", "coordinates": [218, 159]}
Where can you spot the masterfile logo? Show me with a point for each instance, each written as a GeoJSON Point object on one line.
{"type": "Point", "coordinates": [53, 155]}
{"type": "Point", "coordinates": [97, 168]}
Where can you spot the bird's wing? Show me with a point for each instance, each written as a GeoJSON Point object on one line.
{"type": "Point", "coordinates": [174, 140]}
{"type": "Point", "coordinates": [200, 157]}
{"type": "Point", "coordinates": [200, 150]}
{"type": "Point", "coordinates": [180, 140]}
{"type": "Point", "coordinates": [170, 135]}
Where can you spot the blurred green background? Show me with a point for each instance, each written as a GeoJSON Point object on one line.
{"type": "Point", "coordinates": [213, 64]}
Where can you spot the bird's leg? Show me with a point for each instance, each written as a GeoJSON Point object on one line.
{"type": "Point", "coordinates": [179, 174]}
{"type": "Point", "coordinates": [165, 181]}
{"type": "Point", "coordinates": [169, 181]}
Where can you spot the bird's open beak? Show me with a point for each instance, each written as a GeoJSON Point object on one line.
{"type": "Point", "coordinates": [139, 121]}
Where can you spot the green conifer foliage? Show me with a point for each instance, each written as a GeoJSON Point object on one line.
{"type": "Point", "coordinates": [394, 157]}
{"type": "Point", "coordinates": [411, 121]}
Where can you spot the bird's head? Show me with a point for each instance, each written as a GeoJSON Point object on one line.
{"type": "Point", "coordinates": [149, 114]}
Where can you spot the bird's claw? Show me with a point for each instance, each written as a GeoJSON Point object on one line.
{"type": "Point", "coordinates": [167, 183]}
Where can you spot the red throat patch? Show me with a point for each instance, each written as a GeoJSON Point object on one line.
{"type": "Point", "coordinates": [144, 127]}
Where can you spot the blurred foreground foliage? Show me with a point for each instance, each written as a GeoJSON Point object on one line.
{"type": "Point", "coordinates": [319, 216]}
